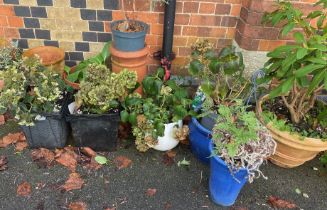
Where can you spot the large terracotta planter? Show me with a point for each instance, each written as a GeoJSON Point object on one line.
{"type": "Point", "coordinates": [52, 57]}
{"type": "Point", "coordinates": [292, 150]}
{"type": "Point", "coordinates": [133, 61]}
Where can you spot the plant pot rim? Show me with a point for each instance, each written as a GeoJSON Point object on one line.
{"type": "Point", "coordinates": [46, 49]}
{"type": "Point", "coordinates": [201, 127]}
{"type": "Point", "coordinates": [114, 23]}
{"type": "Point", "coordinates": [297, 141]}
{"type": "Point", "coordinates": [74, 85]}
{"type": "Point", "coordinates": [129, 54]}
{"type": "Point", "coordinates": [221, 161]}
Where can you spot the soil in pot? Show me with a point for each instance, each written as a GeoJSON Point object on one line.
{"type": "Point", "coordinates": [129, 26]}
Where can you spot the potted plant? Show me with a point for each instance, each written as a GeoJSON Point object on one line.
{"type": "Point", "coordinates": [221, 81]}
{"type": "Point", "coordinates": [72, 76]}
{"type": "Point", "coordinates": [94, 116]}
{"type": "Point", "coordinates": [240, 145]}
{"type": "Point", "coordinates": [156, 118]}
{"type": "Point", "coordinates": [291, 111]}
{"type": "Point", "coordinates": [34, 94]}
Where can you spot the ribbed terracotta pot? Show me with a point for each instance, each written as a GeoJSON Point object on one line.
{"type": "Point", "coordinates": [52, 57]}
{"type": "Point", "coordinates": [292, 150]}
{"type": "Point", "coordinates": [133, 61]}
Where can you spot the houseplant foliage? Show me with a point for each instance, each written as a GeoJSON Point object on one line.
{"type": "Point", "coordinates": [30, 90]}
{"type": "Point", "coordinates": [241, 145]}
{"type": "Point", "coordinates": [163, 102]}
{"type": "Point", "coordinates": [95, 119]}
{"type": "Point", "coordinates": [300, 72]}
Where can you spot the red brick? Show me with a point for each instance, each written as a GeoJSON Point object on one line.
{"type": "Point", "coordinates": [269, 45]}
{"type": "Point", "coordinates": [147, 17]}
{"type": "Point", "coordinates": [160, 40]}
{"type": "Point", "coordinates": [6, 10]}
{"type": "Point", "coordinates": [236, 9]}
{"type": "Point", "coordinates": [223, 43]}
{"type": "Point", "coordinates": [207, 8]}
{"type": "Point", "coordinates": [107, 27]}
{"type": "Point", "coordinates": [151, 39]}
{"type": "Point", "coordinates": [229, 21]}
{"type": "Point", "coordinates": [180, 41]}
{"type": "Point", "coordinates": [204, 31]}
{"type": "Point", "coordinates": [179, 7]}
{"type": "Point", "coordinates": [230, 33]}
{"type": "Point", "coordinates": [246, 43]}
{"type": "Point", "coordinates": [182, 19]}
{"type": "Point", "coordinates": [233, 1]}
{"type": "Point", "coordinates": [15, 22]}
{"type": "Point", "coordinates": [223, 9]}
{"type": "Point", "coordinates": [11, 33]}
{"type": "Point", "coordinates": [3, 21]}
{"type": "Point", "coordinates": [117, 15]}
{"type": "Point", "coordinates": [142, 5]}
{"type": "Point", "coordinates": [2, 32]}
{"type": "Point", "coordinates": [205, 20]}
{"type": "Point", "coordinates": [191, 7]}
{"type": "Point", "coordinates": [157, 29]}
{"type": "Point", "coordinates": [184, 51]}
{"type": "Point", "coordinates": [127, 5]}
{"type": "Point", "coordinates": [178, 30]}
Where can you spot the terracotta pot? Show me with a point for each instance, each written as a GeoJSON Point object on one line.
{"type": "Point", "coordinates": [74, 85]}
{"type": "Point", "coordinates": [133, 61]}
{"type": "Point", "coordinates": [52, 57]}
{"type": "Point", "coordinates": [2, 84]}
{"type": "Point", "coordinates": [292, 150]}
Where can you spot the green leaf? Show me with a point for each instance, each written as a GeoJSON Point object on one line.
{"type": "Point", "coordinates": [132, 118]}
{"type": "Point", "coordinates": [67, 69]}
{"type": "Point", "coordinates": [275, 92]}
{"type": "Point", "coordinates": [214, 66]}
{"type": "Point", "coordinates": [320, 21]}
{"type": "Point", "coordinates": [124, 116]}
{"type": "Point", "coordinates": [301, 52]}
{"type": "Point", "coordinates": [299, 38]}
{"type": "Point", "coordinates": [105, 51]}
{"type": "Point", "coordinates": [184, 162]}
{"type": "Point", "coordinates": [323, 158]}
{"type": "Point", "coordinates": [317, 60]}
{"type": "Point", "coordinates": [195, 67]}
{"type": "Point", "coordinates": [101, 159]}
{"type": "Point", "coordinates": [288, 28]}
{"type": "Point", "coordinates": [320, 47]}
{"type": "Point", "coordinates": [325, 83]}
{"type": "Point", "coordinates": [160, 127]}
{"type": "Point", "coordinates": [207, 88]}
{"type": "Point", "coordinates": [307, 69]}
{"type": "Point", "coordinates": [74, 76]}
{"type": "Point", "coordinates": [316, 81]}
{"type": "Point", "coordinates": [160, 72]}
{"type": "Point", "coordinates": [314, 14]}
{"type": "Point", "coordinates": [287, 85]}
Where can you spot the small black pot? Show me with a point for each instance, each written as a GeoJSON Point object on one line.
{"type": "Point", "coordinates": [99, 132]}
{"type": "Point", "coordinates": [49, 133]}
{"type": "Point", "coordinates": [129, 42]}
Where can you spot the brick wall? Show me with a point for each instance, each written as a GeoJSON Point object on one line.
{"type": "Point", "coordinates": [81, 27]}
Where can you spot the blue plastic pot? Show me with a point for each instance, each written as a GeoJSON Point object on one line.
{"type": "Point", "coordinates": [223, 187]}
{"type": "Point", "coordinates": [128, 41]}
{"type": "Point", "coordinates": [200, 138]}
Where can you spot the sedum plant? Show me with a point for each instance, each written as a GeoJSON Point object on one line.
{"type": "Point", "coordinates": [240, 140]}
{"type": "Point", "coordinates": [30, 90]}
{"type": "Point", "coordinates": [102, 91]}
{"type": "Point", "coordinates": [163, 102]}
{"type": "Point", "coordinates": [300, 68]}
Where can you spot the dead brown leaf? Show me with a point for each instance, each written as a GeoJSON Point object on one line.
{"type": "Point", "coordinates": [168, 205]}
{"type": "Point", "coordinates": [24, 189]}
{"type": "Point", "coordinates": [67, 157]}
{"type": "Point", "coordinates": [276, 202]}
{"type": "Point", "coordinates": [151, 192]}
{"type": "Point", "coordinates": [74, 182]}
{"type": "Point", "coordinates": [77, 206]}
{"type": "Point", "coordinates": [11, 138]}
{"type": "Point", "coordinates": [43, 157]}
{"type": "Point", "coordinates": [3, 163]}
{"type": "Point", "coordinates": [88, 152]}
{"type": "Point", "coordinates": [167, 160]}
{"type": "Point", "coordinates": [93, 165]}
{"type": "Point", "coordinates": [171, 153]}
{"type": "Point", "coordinates": [20, 146]}
{"type": "Point", "coordinates": [122, 162]}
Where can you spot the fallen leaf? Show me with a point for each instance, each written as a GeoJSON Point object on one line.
{"type": "Point", "coordinates": [101, 159]}
{"type": "Point", "coordinates": [184, 162]}
{"type": "Point", "coordinates": [67, 157]}
{"type": "Point", "coordinates": [11, 138]}
{"type": "Point", "coordinates": [298, 191]}
{"type": "Point", "coordinates": [3, 163]}
{"type": "Point", "coordinates": [171, 153]}
{"type": "Point", "coordinates": [43, 157]}
{"type": "Point", "coordinates": [24, 189]}
{"type": "Point", "coordinates": [88, 152]}
{"type": "Point", "coordinates": [151, 192]}
{"type": "Point", "coordinates": [77, 206]}
{"type": "Point", "coordinates": [74, 182]}
{"type": "Point", "coordinates": [93, 165]}
{"type": "Point", "coordinates": [276, 202]}
{"type": "Point", "coordinates": [168, 206]}
{"type": "Point", "coordinates": [20, 146]}
{"type": "Point", "coordinates": [168, 161]}
{"type": "Point", "coordinates": [305, 195]}
{"type": "Point", "coordinates": [122, 162]}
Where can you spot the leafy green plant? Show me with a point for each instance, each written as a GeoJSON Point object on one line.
{"type": "Point", "coordinates": [79, 73]}
{"type": "Point", "coordinates": [9, 55]}
{"type": "Point", "coordinates": [30, 90]}
{"type": "Point", "coordinates": [221, 77]}
{"type": "Point", "coordinates": [299, 68]}
{"type": "Point", "coordinates": [241, 140]}
{"type": "Point", "coordinates": [102, 90]}
{"type": "Point", "coordinates": [164, 102]}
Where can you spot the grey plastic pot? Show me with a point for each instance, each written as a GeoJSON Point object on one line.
{"type": "Point", "coordinates": [49, 133]}
{"type": "Point", "coordinates": [209, 121]}
{"type": "Point", "coordinates": [128, 41]}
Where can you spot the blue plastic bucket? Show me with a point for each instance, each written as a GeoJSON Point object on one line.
{"type": "Point", "coordinates": [128, 41]}
{"type": "Point", "coordinates": [223, 187]}
{"type": "Point", "coordinates": [200, 138]}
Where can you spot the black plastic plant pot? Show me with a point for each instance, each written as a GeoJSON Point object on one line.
{"type": "Point", "coordinates": [49, 133]}
{"type": "Point", "coordinates": [129, 41]}
{"type": "Point", "coordinates": [99, 132]}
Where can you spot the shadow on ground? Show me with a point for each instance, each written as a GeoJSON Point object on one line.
{"type": "Point", "coordinates": [177, 187]}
